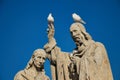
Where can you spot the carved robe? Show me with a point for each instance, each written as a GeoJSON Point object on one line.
{"type": "Point", "coordinates": [91, 64]}
{"type": "Point", "coordinates": [27, 75]}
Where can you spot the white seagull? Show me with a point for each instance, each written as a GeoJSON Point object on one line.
{"type": "Point", "coordinates": [77, 18]}
{"type": "Point", "coordinates": [50, 18]}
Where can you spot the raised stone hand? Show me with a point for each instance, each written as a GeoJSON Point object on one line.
{"type": "Point", "coordinates": [51, 41]}
{"type": "Point", "coordinates": [50, 30]}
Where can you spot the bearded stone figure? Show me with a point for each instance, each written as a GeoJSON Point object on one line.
{"type": "Point", "coordinates": [89, 60]}
{"type": "Point", "coordinates": [35, 68]}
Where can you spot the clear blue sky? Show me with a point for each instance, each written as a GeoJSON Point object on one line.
{"type": "Point", "coordinates": [23, 25]}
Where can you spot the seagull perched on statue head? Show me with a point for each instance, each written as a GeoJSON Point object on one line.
{"type": "Point", "coordinates": [77, 18]}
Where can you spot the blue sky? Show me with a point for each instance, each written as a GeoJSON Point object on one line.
{"type": "Point", "coordinates": [23, 25]}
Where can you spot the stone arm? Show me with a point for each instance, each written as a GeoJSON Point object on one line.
{"type": "Point", "coordinates": [51, 40]}
{"type": "Point", "coordinates": [51, 44]}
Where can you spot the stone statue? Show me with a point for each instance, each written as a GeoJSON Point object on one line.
{"type": "Point", "coordinates": [89, 60]}
{"type": "Point", "coordinates": [35, 68]}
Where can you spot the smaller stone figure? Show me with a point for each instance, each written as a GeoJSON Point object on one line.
{"type": "Point", "coordinates": [35, 68]}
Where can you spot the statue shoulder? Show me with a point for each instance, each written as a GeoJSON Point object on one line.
{"type": "Point", "coordinates": [19, 76]}
{"type": "Point", "coordinates": [101, 48]}
{"type": "Point", "coordinates": [100, 53]}
{"type": "Point", "coordinates": [99, 44]}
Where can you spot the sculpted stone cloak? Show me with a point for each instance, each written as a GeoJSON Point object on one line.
{"type": "Point", "coordinates": [59, 64]}
{"type": "Point", "coordinates": [91, 64]}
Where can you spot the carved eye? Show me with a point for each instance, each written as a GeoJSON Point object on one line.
{"type": "Point", "coordinates": [39, 57]}
{"type": "Point", "coordinates": [74, 30]}
{"type": "Point", "coordinates": [43, 58]}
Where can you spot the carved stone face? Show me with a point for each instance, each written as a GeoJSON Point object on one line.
{"type": "Point", "coordinates": [76, 34]}
{"type": "Point", "coordinates": [39, 58]}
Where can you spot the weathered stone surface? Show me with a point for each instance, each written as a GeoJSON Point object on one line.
{"type": "Point", "coordinates": [89, 60]}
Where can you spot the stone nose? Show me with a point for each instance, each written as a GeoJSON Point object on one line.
{"type": "Point", "coordinates": [73, 34]}
{"type": "Point", "coordinates": [40, 60]}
